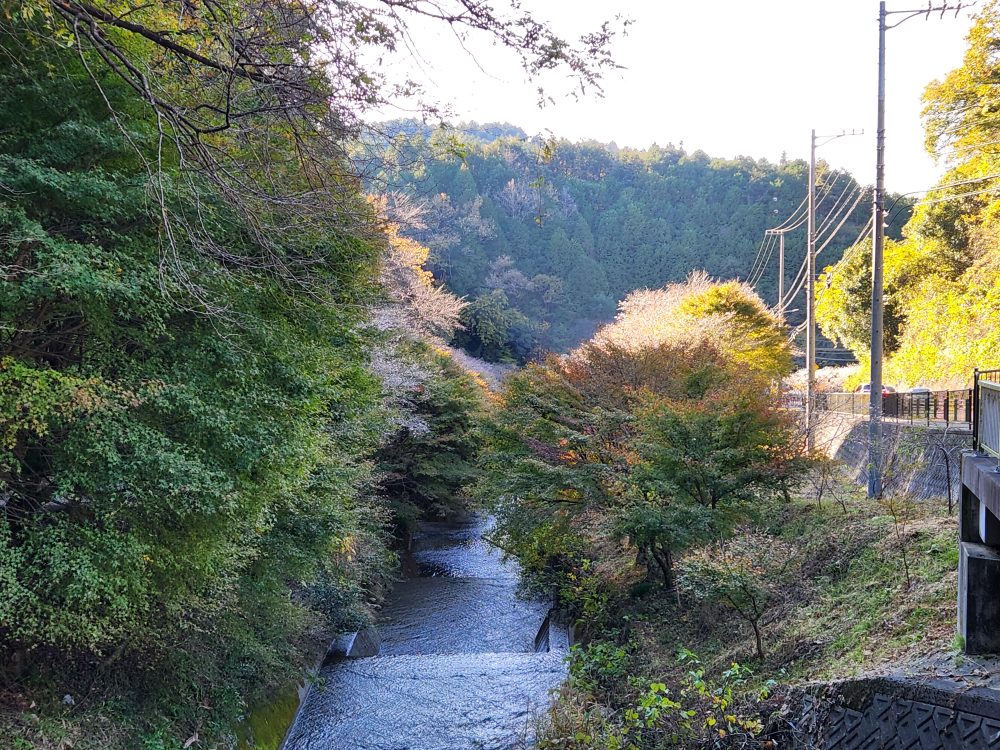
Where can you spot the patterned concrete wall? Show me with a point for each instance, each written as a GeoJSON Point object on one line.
{"type": "Point", "coordinates": [885, 713]}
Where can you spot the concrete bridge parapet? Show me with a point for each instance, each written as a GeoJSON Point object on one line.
{"type": "Point", "coordinates": [979, 555]}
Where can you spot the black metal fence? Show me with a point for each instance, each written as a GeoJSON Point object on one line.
{"type": "Point", "coordinates": [938, 407]}
{"type": "Point", "coordinates": [977, 407]}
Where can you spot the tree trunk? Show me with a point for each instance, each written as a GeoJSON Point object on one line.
{"type": "Point", "coordinates": [760, 642]}
{"type": "Point", "coordinates": [665, 561]}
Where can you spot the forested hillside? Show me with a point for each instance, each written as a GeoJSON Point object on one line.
{"type": "Point", "coordinates": [545, 236]}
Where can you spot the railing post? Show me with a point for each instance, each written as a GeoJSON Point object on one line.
{"type": "Point", "coordinates": [975, 410]}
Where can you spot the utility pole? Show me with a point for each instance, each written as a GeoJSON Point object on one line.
{"type": "Point", "coordinates": [878, 243]}
{"type": "Point", "coordinates": [781, 277]}
{"type": "Point", "coordinates": [779, 306]}
{"type": "Point", "coordinates": [811, 296]}
{"type": "Point", "coordinates": [811, 284]}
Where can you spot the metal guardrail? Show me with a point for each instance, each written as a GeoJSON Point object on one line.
{"type": "Point", "coordinates": [937, 407]}
{"type": "Point", "coordinates": [986, 427]}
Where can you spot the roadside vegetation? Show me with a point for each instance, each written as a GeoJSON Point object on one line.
{"type": "Point", "coordinates": [668, 674]}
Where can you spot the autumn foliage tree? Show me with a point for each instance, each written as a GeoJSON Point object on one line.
{"type": "Point", "coordinates": [747, 574]}
{"type": "Point", "coordinates": [661, 432]}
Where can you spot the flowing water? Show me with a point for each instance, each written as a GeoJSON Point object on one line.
{"type": "Point", "coordinates": [457, 668]}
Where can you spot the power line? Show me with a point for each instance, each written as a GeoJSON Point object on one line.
{"type": "Point", "coordinates": [765, 259]}
{"type": "Point", "coordinates": [766, 249]}
{"type": "Point", "coordinates": [781, 226]}
{"type": "Point", "coordinates": [890, 215]}
{"type": "Point", "coordinates": [799, 281]}
{"type": "Point", "coordinates": [855, 247]}
{"type": "Point", "coordinates": [956, 183]}
{"type": "Point", "coordinates": [756, 260]}
{"type": "Point", "coordinates": [962, 149]}
{"type": "Point", "coordinates": [843, 220]}
{"type": "Point", "coordinates": [827, 189]}
{"type": "Point", "coordinates": [796, 287]}
{"type": "Point", "coordinates": [993, 189]}
{"type": "Point", "coordinates": [834, 212]}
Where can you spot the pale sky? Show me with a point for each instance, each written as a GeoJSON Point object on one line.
{"type": "Point", "coordinates": [729, 77]}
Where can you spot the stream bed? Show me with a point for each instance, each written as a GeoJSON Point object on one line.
{"type": "Point", "coordinates": [457, 668]}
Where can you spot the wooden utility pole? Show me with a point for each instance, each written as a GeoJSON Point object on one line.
{"type": "Point", "coordinates": [781, 277]}
{"type": "Point", "coordinates": [811, 297]}
{"type": "Point", "coordinates": [878, 241]}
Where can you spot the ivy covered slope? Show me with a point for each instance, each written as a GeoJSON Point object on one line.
{"type": "Point", "coordinates": [544, 237]}
{"type": "Point", "coordinates": [942, 314]}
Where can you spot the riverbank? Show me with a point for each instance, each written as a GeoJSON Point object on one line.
{"type": "Point", "coordinates": [874, 590]}
{"type": "Point", "coordinates": [111, 717]}
{"type": "Point", "coordinates": [456, 663]}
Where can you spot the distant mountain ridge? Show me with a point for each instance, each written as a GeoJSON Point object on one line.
{"type": "Point", "coordinates": [544, 236]}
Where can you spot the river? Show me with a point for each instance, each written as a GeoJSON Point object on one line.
{"type": "Point", "coordinates": [457, 668]}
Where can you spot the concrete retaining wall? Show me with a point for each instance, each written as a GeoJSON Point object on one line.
{"type": "Point", "coordinates": [888, 712]}
{"type": "Point", "coordinates": [920, 450]}
{"type": "Point", "coordinates": [555, 634]}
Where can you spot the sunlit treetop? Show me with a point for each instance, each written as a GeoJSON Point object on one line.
{"type": "Point", "coordinates": [728, 315]}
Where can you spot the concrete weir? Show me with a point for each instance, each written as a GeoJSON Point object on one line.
{"type": "Point", "coordinates": [459, 661]}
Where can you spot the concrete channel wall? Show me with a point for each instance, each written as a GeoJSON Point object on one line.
{"type": "Point", "coordinates": [555, 634]}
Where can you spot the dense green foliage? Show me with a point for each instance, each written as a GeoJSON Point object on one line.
{"type": "Point", "coordinates": [201, 441]}
{"type": "Point", "coordinates": [943, 278]}
{"type": "Point", "coordinates": [183, 493]}
{"type": "Point", "coordinates": [545, 236]}
{"type": "Point", "coordinates": [429, 461]}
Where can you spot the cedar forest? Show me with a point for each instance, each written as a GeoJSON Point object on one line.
{"type": "Point", "coordinates": [235, 318]}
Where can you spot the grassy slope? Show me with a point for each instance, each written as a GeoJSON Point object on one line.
{"type": "Point", "coordinates": [849, 611]}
